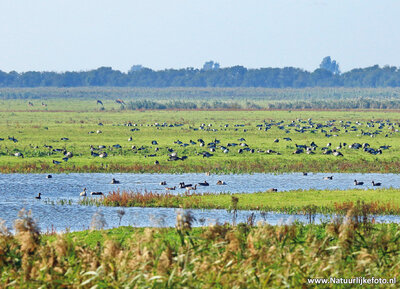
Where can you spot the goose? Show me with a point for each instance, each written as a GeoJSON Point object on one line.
{"type": "Point", "coordinates": [356, 183]}
{"type": "Point", "coordinates": [221, 182]}
{"type": "Point", "coordinates": [328, 178]}
{"type": "Point", "coordinates": [171, 189]}
{"type": "Point", "coordinates": [183, 186]}
{"type": "Point", "coordinates": [114, 181]}
{"type": "Point", "coordinates": [190, 188]}
{"type": "Point", "coordinates": [96, 193]}
{"type": "Point", "coordinates": [376, 184]}
{"type": "Point", "coordinates": [163, 183]}
{"type": "Point", "coordinates": [38, 197]}
{"type": "Point", "coordinates": [204, 184]}
{"type": "Point", "coordinates": [83, 193]}
{"type": "Point", "coordinates": [18, 154]}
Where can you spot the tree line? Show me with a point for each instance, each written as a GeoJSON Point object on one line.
{"type": "Point", "coordinates": [236, 76]}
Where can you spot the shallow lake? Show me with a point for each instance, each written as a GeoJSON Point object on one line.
{"type": "Point", "coordinates": [17, 191]}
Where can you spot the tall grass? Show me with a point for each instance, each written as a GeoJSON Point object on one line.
{"type": "Point", "coordinates": [218, 256]}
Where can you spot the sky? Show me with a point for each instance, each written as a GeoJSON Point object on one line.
{"type": "Point", "coordinates": [78, 35]}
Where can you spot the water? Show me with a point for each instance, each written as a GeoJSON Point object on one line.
{"type": "Point", "coordinates": [17, 191]}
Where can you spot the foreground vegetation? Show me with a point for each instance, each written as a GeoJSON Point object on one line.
{"type": "Point", "coordinates": [219, 256]}
{"type": "Point", "coordinates": [256, 141]}
{"type": "Point", "coordinates": [382, 201]}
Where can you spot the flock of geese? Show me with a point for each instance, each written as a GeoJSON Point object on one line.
{"type": "Point", "coordinates": [182, 185]}
{"type": "Point", "coordinates": [190, 187]}
{"type": "Point", "coordinates": [356, 183]}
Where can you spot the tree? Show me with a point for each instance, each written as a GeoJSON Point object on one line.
{"type": "Point", "coordinates": [330, 65]}
{"type": "Point", "coordinates": [135, 68]}
{"type": "Point", "coordinates": [210, 65]}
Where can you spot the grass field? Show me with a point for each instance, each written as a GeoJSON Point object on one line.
{"type": "Point", "coordinates": [34, 130]}
{"type": "Point", "coordinates": [219, 256]}
{"type": "Point", "coordinates": [381, 201]}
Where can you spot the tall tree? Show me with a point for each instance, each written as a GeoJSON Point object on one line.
{"type": "Point", "coordinates": [330, 65]}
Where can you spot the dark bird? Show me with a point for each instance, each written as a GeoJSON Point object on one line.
{"type": "Point", "coordinates": [114, 181]}
{"type": "Point", "coordinates": [56, 162]}
{"type": "Point", "coordinates": [38, 197]}
{"type": "Point", "coordinates": [205, 184]}
{"type": "Point", "coordinates": [96, 193]}
{"type": "Point", "coordinates": [376, 184]}
{"type": "Point", "coordinates": [356, 183]}
{"type": "Point", "coordinates": [328, 178]}
{"type": "Point", "coordinates": [163, 183]}
{"type": "Point", "coordinates": [99, 102]}
{"type": "Point", "coordinates": [49, 176]}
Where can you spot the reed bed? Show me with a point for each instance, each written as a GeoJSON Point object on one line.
{"type": "Point", "coordinates": [218, 256]}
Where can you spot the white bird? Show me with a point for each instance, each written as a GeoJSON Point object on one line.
{"type": "Point", "coordinates": [83, 194]}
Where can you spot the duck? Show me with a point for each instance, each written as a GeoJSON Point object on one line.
{"type": "Point", "coordinates": [221, 182]}
{"type": "Point", "coordinates": [114, 181]}
{"type": "Point", "coordinates": [328, 178]}
{"type": "Point", "coordinates": [163, 183]}
{"type": "Point", "coordinates": [96, 193]}
{"type": "Point", "coordinates": [38, 197]}
{"type": "Point", "coordinates": [356, 183]}
{"type": "Point", "coordinates": [49, 176]}
{"type": "Point", "coordinates": [376, 184]}
{"type": "Point", "coordinates": [305, 174]}
{"type": "Point", "coordinates": [171, 189]}
{"type": "Point", "coordinates": [205, 184]}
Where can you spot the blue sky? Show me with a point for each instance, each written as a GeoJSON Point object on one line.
{"type": "Point", "coordinates": [53, 35]}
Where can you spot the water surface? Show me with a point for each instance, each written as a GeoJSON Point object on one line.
{"type": "Point", "coordinates": [17, 191]}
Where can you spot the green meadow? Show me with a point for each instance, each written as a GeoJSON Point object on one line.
{"type": "Point", "coordinates": [40, 133]}
{"type": "Point", "coordinates": [380, 201]}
